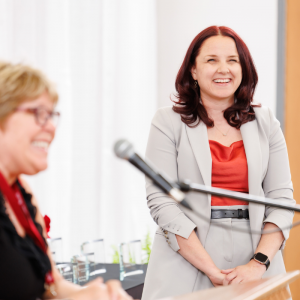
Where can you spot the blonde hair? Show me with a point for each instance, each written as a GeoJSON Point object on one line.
{"type": "Point", "coordinates": [20, 83]}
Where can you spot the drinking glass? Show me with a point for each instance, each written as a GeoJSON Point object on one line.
{"type": "Point", "coordinates": [81, 270]}
{"type": "Point", "coordinates": [55, 245]}
{"type": "Point", "coordinates": [95, 253]}
{"type": "Point", "coordinates": [130, 259]}
{"type": "Point", "coordinates": [66, 270]}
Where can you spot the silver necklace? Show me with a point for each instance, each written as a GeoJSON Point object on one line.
{"type": "Point", "coordinates": [224, 134]}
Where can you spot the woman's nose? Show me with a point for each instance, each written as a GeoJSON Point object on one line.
{"type": "Point", "coordinates": [223, 69]}
{"type": "Point", "coordinates": [50, 126]}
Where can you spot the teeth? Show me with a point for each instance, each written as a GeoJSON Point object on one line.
{"type": "Point", "coordinates": [41, 144]}
{"type": "Point", "coordinates": [222, 80]}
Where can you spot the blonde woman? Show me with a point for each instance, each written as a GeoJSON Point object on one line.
{"type": "Point", "coordinates": [27, 128]}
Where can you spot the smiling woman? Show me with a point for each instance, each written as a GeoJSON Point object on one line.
{"type": "Point", "coordinates": [215, 135]}
{"type": "Point", "coordinates": [26, 150]}
{"type": "Point", "coordinates": [27, 128]}
{"type": "Point", "coordinates": [27, 100]}
{"type": "Point", "coordinates": [216, 54]}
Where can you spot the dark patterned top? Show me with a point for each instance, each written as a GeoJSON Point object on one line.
{"type": "Point", "coordinates": [23, 265]}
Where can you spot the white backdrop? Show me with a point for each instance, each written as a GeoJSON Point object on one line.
{"type": "Point", "coordinates": [104, 66]}
{"type": "Point", "coordinates": [114, 62]}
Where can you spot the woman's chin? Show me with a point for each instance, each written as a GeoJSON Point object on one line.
{"type": "Point", "coordinates": [223, 96]}
{"type": "Point", "coordinates": [36, 168]}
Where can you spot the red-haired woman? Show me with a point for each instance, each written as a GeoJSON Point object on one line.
{"type": "Point", "coordinates": [214, 135]}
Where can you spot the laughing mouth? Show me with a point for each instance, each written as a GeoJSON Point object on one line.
{"type": "Point", "coordinates": [41, 144]}
{"type": "Point", "coordinates": [226, 80]}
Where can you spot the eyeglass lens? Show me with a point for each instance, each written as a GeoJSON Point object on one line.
{"type": "Point", "coordinates": [43, 115]}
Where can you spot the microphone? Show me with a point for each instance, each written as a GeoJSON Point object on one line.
{"type": "Point", "coordinates": [123, 149]}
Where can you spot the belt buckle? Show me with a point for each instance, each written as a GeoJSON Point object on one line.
{"type": "Point", "coordinates": [240, 214]}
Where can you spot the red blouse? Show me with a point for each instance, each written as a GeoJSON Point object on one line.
{"type": "Point", "coordinates": [229, 171]}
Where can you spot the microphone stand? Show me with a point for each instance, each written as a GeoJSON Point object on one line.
{"type": "Point", "coordinates": [123, 149]}
{"type": "Point", "coordinates": [186, 186]}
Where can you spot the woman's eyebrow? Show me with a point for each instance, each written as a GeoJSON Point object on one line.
{"type": "Point", "coordinates": [214, 55]}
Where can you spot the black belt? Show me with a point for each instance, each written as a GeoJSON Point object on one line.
{"type": "Point", "coordinates": [235, 213]}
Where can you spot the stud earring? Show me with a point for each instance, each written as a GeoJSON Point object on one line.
{"type": "Point", "coordinates": [195, 83]}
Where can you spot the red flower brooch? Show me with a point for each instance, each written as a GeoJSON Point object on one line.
{"type": "Point", "coordinates": [47, 223]}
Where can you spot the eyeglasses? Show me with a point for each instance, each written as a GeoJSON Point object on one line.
{"type": "Point", "coordinates": [42, 115]}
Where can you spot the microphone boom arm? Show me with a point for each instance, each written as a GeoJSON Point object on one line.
{"type": "Point", "coordinates": [185, 186]}
{"type": "Point", "coordinates": [124, 150]}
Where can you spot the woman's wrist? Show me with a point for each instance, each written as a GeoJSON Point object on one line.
{"type": "Point", "coordinates": [211, 271]}
{"type": "Point", "coordinates": [207, 266]}
{"type": "Point", "coordinates": [257, 265]}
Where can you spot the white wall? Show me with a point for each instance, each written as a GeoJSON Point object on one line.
{"type": "Point", "coordinates": [179, 21]}
{"type": "Point", "coordinates": [107, 58]}
{"type": "Point", "coordinates": [102, 57]}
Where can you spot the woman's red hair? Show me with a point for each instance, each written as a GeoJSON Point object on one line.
{"type": "Point", "coordinates": [188, 103]}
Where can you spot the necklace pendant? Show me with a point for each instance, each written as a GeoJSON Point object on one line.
{"type": "Point", "coordinates": [51, 289]}
{"type": "Point", "coordinates": [224, 134]}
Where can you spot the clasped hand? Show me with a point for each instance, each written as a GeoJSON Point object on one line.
{"type": "Point", "coordinates": [249, 272]}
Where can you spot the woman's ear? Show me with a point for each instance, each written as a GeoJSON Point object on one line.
{"type": "Point", "coordinates": [193, 72]}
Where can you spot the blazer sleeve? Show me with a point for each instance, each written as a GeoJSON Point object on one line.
{"type": "Point", "coordinates": [161, 152]}
{"type": "Point", "coordinates": [277, 183]}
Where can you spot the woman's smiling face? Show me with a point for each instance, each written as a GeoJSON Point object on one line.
{"type": "Point", "coordinates": [24, 142]}
{"type": "Point", "coordinates": [217, 68]}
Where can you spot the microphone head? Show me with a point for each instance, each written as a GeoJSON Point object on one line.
{"type": "Point", "coordinates": [123, 149]}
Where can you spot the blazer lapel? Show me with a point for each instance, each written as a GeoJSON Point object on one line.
{"type": "Point", "coordinates": [198, 139]}
{"type": "Point", "coordinates": [199, 142]}
{"type": "Point", "coordinates": [250, 137]}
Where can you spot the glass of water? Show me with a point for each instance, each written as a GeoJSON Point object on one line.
{"type": "Point", "coordinates": [81, 268]}
{"type": "Point", "coordinates": [130, 259]}
{"type": "Point", "coordinates": [66, 270]}
{"type": "Point", "coordinates": [95, 252]}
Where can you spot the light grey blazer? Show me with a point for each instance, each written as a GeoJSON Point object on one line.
{"type": "Point", "coordinates": [182, 152]}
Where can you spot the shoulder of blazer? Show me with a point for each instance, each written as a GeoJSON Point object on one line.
{"type": "Point", "coordinates": [169, 122]}
{"type": "Point", "coordinates": [166, 113]}
{"type": "Point", "coordinates": [266, 120]}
